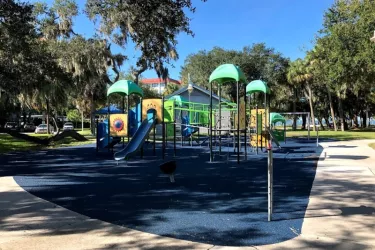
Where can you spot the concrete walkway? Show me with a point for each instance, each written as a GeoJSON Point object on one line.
{"type": "Point", "coordinates": [340, 214]}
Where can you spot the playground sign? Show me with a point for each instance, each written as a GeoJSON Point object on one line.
{"type": "Point", "coordinates": [155, 104]}
{"type": "Point", "coordinates": [118, 125]}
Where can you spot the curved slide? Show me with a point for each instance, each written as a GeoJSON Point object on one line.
{"type": "Point", "coordinates": [137, 141]}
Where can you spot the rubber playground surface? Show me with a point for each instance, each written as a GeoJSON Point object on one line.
{"type": "Point", "coordinates": [216, 203]}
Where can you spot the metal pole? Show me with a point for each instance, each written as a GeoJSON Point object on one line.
{"type": "Point", "coordinates": [308, 126]}
{"type": "Point", "coordinates": [285, 132]}
{"type": "Point", "coordinates": [123, 111]}
{"type": "Point", "coordinates": [154, 139]}
{"type": "Point", "coordinates": [141, 120]}
{"type": "Point", "coordinates": [97, 136]}
{"type": "Point", "coordinates": [256, 125]}
{"type": "Point", "coordinates": [238, 125]}
{"type": "Point", "coordinates": [210, 125]}
{"type": "Point", "coordinates": [174, 133]}
{"type": "Point", "coordinates": [127, 107]}
{"type": "Point", "coordinates": [270, 182]}
{"type": "Point", "coordinates": [245, 99]}
{"type": "Point", "coordinates": [109, 125]}
{"type": "Point", "coordinates": [163, 128]}
{"type": "Point", "coordinates": [219, 119]}
{"type": "Point", "coordinates": [317, 136]}
{"type": "Point", "coordinates": [182, 138]}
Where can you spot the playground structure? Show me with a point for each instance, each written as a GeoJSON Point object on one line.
{"type": "Point", "coordinates": [225, 123]}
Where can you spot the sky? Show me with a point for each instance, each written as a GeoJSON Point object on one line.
{"type": "Point", "coordinates": [289, 26]}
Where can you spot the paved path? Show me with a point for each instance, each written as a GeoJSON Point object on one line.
{"type": "Point", "coordinates": [340, 214]}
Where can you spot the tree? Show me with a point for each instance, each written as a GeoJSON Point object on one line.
{"type": "Point", "coordinates": [88, 60]}
{"type": "Point", "coordinates": [73, 115]}
{"type": "Point", "coordinates": [171, 88]}
{"type": "Point", "coordinates": [256, 61]}
{"type": "Point", "coordinates": [300, 74]}
{"type": "Point", "coordinates": [349, 64]}
{"type": "Point", "coordinates": [151, 25]}
{"type": "Point", "coordinates": [28, 72]}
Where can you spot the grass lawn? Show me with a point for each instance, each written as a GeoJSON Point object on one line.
{"type": "Point", "coordinates": [9, 143]}
{"type": "Point", "coordinates": [337, 135]}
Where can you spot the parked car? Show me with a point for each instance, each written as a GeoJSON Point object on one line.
{"type": "Point", "coordinates": [68, 126]}
{"type": "Point", "coordinates": [42, 129]}
{"type": "Point", "coordinates": [11, 125]}
{"type": "Point", "coordinates": [29, 127]}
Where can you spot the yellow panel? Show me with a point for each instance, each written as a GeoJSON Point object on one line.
{"type": "Point", "coordinates": [118, 125]}
{"type": "Point", "coordinates": [242, 114]}
{"type": "Point", "coordinates": [261, 113]}
{"type": "Point", "coordinates": [152, 104]}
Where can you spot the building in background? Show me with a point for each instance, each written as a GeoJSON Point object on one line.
{"type": "Point", "coordinates": [158, 84]}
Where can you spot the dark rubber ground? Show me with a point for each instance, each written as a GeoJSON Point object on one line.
{"type": "Point", "coordinates": [217, 203]}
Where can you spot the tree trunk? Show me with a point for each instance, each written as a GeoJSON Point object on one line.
{"type": "Point", "coordinates": [321, 123]}
{"type": "Point", "coordinates": [310, 97]}
{"type": "Point", "coordinates": [294, 126]}
{"type": "Point", "coordinates": [303, 122]}
{"type": "Point", "coordinates": [367, 118]}
{"type": "Point", "coordinates": [341, 114]}
{"type": "Point", "coordinates": [47, 115]}
{"type": "Point", "coordinates": [82, 119]}
{"type": "Point", "coordinates": [355, 121]}
{"type": "Point", "coordinates": [92, 115]}
{"type": "Point", "coordinates": [332, 110]}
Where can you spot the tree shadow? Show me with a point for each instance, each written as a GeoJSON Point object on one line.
{"type": "Point", "coordinates": [222, 204]}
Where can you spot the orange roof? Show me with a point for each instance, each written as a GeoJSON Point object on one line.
{"type": "Point", "coordinates": [159, 80]}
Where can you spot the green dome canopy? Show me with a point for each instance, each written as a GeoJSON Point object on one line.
{"type": "Point", "coordinates": [125, 87]}
{"type": "Point", "coordinates": [177, 99]}
{"type": "Point", "coordinates": [276, 117]}
{"type": "Point", "coordinates": [257, 86]}
{"type": "Point", "coordinates": [227, 73]}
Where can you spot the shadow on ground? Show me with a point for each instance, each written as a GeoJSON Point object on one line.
{"type": "Point", "coordinates": [217, 203]}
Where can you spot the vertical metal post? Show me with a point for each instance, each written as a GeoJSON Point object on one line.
{"type": "Point", "coordinates": [154, 139]}
{"type": "Point", "coordinates": [182, 138]}
{"type": "Point", "coordinates": [174, 131]}
{"type": "Point", "coordinates": [141, 120]}
{"type": "Point", "coordinates": [256, 125]}
{"type": "Point", "coordinates": [265, 118]}
{"type": "Point", "coordinates": [127, 107]}
{"type": "Point", "coordinates": [317, 136]}
{"type": "Point", "coordinates": [285, 132]}
{"type": "Point", "coordinates": [210, 125]}
{"type": "Point", "coordinates": [308, 126]}
{"type": "Point", "coordinates": [261, 132]}
{"type": "Point", "coordinates": [123, 111]}
{"type": "Point", "coordinates": [97, 136]}
{"type": "Point", "coordinates": [109, 125]}
{"type": "Point", "coordinates": [238, 124]}
{"type": "Point", "coordinates": [270, 181]}
{"type": "Point", "coordinates": [245, 99]}
{"type": "Point", "coordinates": [163, 128]}
{"type": "Point", "coordinates": [219, 119]}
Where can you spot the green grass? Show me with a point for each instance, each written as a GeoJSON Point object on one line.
{"type": "Point", "coordinates": [9, 143]}
{"type": "Point", "coordinates": [337, 135]}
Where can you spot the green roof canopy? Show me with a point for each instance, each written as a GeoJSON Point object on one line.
{"type": "Point", "coordinates": [227, 73]}
{"type": "Point", "coordinates": [125, 87]}
{"type": "Point", "coordinates": [276, 117]}
{"type": "Point", "coordinates": [177, 99]}
{"type": "Point", "coordinates": [257, 86]}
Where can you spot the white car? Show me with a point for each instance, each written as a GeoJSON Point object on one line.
{"type": "Point", "coordinates": [68, 126]}
{"type": "Point", "coordinates": [42, 129]}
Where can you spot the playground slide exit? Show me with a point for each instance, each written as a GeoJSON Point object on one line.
{"type": "Point", "coordinates": [137, 141]}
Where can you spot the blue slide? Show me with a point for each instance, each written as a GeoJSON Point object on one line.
{"type": "Point", "coordinates": [137, 140]}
